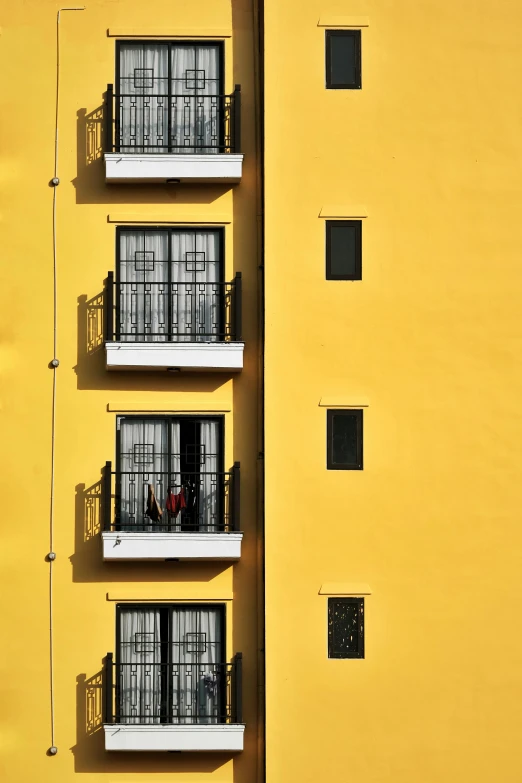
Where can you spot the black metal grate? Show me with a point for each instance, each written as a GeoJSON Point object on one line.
{"type": "Point", "coordinates": [163, 122]}
{"type": "Point", "coordinates": [170, 693]}
{"type": "Point", "coordinates": [346, 627]}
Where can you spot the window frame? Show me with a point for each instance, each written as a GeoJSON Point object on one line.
{"type": "Point", "coordinates": [168, 418]}
{"type": "Point", "coordinates": [169, 43]}
{"type": "Point", "coordinates": [170, 230]}
{"type": "Point", "coordinates": [357, 224]}
{"type": "Point", "coordinates": [356, 35]}
{"type": "Point", "coordinates": [359, 653]}
{"type": "Point", "coordinates": [165, 651]}
{"type": "Point", "coordinates": [356, 413]}
{"type": "Point", "coordinates": [154, 605]}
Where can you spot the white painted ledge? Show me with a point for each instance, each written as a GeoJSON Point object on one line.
{"type": "Point", "coordinates": [150, 737]}
{"type": "Point", "coordinates": [147, 167]}
{"type": "Point", "coordinates": [126, 545]}
{"type": "Point", "coordinates": [220, 357]}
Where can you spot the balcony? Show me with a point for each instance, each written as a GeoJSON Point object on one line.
{"type": "Point", "coordinates": [173, 706]}
{"type": "Point", "coordinates": [176, 326]}
{"type": "Point", "coordinates": [152, 135]}
{"type": "Point", "coordinates": [206, 529]}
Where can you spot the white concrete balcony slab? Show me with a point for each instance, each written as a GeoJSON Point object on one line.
{"type": "Point", "coordinates": [212, 356]}
{"type": "Point", "coordinates": [124, 545]}
{"type": "Point", "coordinates": [154, 737]}
{"type": "Point", "coordinates": [127, 167]}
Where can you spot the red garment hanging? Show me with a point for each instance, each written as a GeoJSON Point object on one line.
{"type": "Point", "coordinates": [175, 503]}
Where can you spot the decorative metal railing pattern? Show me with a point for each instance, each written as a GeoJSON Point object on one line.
{"type": "Point", "coordinates": [162, 692]}
{"type": "Point", "coordinates": [151, 119]}
{"type": "Point", "coordinates": [171, 311]}
{"type": "Point", "coordinates": [211, 501]}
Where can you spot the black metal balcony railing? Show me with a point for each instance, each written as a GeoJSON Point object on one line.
{"type": "Point", "coordinates": [170, 311]}
{"type": "Point", "coordinates": [172, 693]}
{"type": "Point", "coordinates": [211, 501]}
{"type": "Point", "coordinates": [161, 122]}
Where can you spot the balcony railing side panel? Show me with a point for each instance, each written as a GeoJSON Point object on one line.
{"type": "Point", "coordinates": [236, 498]}
{"type": "Point", "coordinates": [237, 682]}
{"type": "Point", "coordinates": [108, 310]}
{"type": "Point", "coordinates": [237, 327]}
{"type": "Point", "coordinates": [237, 119]}
{"type": "Point", "coordinates": [109, 118]}
{"type": "Point", "coordinates": [150, 119]}
{"type": "Point", "coordinates": [106, 496]}
{"type": "Point", "coordinates": [176, 692]}
{"type": "Point", "coordinates": [108, 670]}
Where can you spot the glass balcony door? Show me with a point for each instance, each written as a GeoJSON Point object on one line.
{"type": "Point", "coordinates": [170, 666]}
{"type": "Point", "coordinates": [168, 475]}
{"type": "Point", "coordinates": [170, 286]}
{"type": "Point", "coordinates": [169, 97]}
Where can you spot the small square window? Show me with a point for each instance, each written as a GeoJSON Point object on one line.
{"type": "Point", "coordinates": [344, 440]}
{"type": "Point", "coordinates": [343, 59]}
{"type": "Point", "coordinates": [343, 250]}
{"type": "Point", "coordinates": [346, 627]}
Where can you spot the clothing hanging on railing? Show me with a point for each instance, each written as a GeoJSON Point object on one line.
{"type": "Point", "coordinates": [153, 510]}
{"type": "Point", "coordinates": [175, 503]}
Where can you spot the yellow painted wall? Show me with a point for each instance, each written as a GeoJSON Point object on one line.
{"type": "Point", "coordinates": [431, 340]}
{"type": "Point", "coordinates": [86, 589]}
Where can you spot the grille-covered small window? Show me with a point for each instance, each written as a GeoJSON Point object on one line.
{"type": "Point", "coordinates": [346, 627]}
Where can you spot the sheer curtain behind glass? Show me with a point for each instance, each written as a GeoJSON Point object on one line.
{"type": "Point", "coordinates": [143, 111]}
{"type": "Point", "coordinates": [196, 295]}
{"type": "Point", "coordinates": [189, 100]}
{"type": "Point", "coordinates": [143, 276]}
{"type": "Point", "coordinates": [197, 682]}
{"type": "Point", "coordinates": [196, 113]}
{"type": "Point", "coordinates": [140, 675]}
{"type": "Point", "coordinates": [143, 461]}
{"type": "Point", "coordinates": [170, 294]}
{"type": "Point", "coordinates": [209, 484]}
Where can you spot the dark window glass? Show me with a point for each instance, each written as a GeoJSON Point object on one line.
{"type": "Point", "coordinates": [343, 250]}
{"type": "Point", "coordinates": [344, 440]}
{"type": "Point", "coordinates": [343, 59]}
{"type": "Point", "coordinates": [346, 627]}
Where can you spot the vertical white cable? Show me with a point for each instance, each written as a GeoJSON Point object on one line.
{"type": "Point", "coordinates": [54, 365]}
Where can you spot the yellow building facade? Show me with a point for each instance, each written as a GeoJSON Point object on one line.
{"type": "Point", "coordinates": [259, 334]}
{"type": "Point", "coordinates": [423, 154]}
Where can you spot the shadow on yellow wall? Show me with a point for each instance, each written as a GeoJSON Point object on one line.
{"type": "Point", "coordinates": [90, 754]}
{"type": "Point", "coordinates": [90, 177]}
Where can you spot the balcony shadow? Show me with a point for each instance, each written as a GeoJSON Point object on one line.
{"type": "Point", "coordinates": [90, 173]}
{"type": "Point", "coordinates": [90, 754]}
{"type": "Point", "coordinates": [91, 372]}
{"type": "Point", "coordinates": [87, 562]}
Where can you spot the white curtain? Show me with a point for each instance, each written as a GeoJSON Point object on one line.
{"type": "Point", "coordinates": [198, 681]}
{"type": "Point", "coordinates": [196, 113]}
{"type": "Point", "coordinates": [139, 673]}
{"type": "Point", "coordinates": [144, 286]}
{"type": "Point", "coordinates": [191, 281]}
{"type": "Point", "coordinates": [143, 461]}
{"type": "Point", "coordinates": [143, 108]}
{"type": "Point", "coordinates": [209, 484]}
{"type": "Point", "coordinates": [196, 303]}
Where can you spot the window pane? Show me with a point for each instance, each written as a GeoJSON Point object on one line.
{"type": "Point", "coordinates": [344, 251]}
{"type": "Point", "coordinates": [343, 65]}
{"type": "Point", "coordinates": [346, 627]}
{"type": "Point", "coordinates": [344, 441]}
